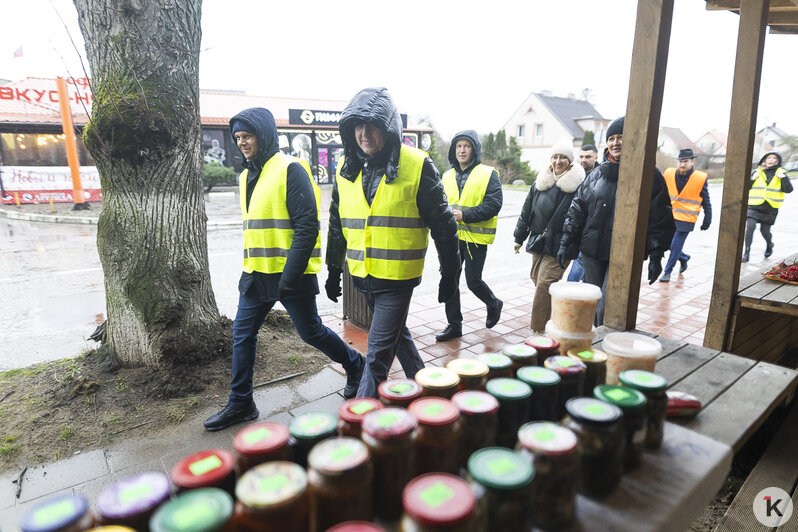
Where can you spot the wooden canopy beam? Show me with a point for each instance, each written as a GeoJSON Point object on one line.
{"type": "Point", "coordinates": [716, 5]}
{"type": "Point", "coordinates": [736, 182]}
{"type": "Point", "coordinates": [641, 128]}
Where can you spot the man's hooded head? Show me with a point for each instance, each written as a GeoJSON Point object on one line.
{"type": "Point", "coordinates": [260, 123]}
{"type": "Point", "coordinates": [470, 136]}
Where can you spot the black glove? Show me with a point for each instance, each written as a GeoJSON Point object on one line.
{"type": "Point", "coordinates": [285, 290]}
{"type": "Point", "coordinates": [447, 288]}
{"type": "Point", "coordinates": [654, 267]}
{"type": "Point", "coordinates": [561, 260]}
{"type": "Point", "coordinates": [333, 284]}
{"type": "Point", "coordinates": [705, 225]}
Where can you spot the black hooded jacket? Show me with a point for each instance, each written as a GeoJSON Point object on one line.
{"type": "Point", "coordinates": [375, 105]}
{"type": "Point", "coordinates": [301, 204]}
{"type": "Point", "coordinates": [764, 213]}
{"type": "Point", "coordinates": [492, 202]}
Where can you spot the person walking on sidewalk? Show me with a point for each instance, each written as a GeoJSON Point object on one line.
{"type": "Point", "coordinates": [282, 255]}
{"type": "Point", "coordinates": [688, 191]}
{"type": "Point", "coordinates": [475, 193]}
{"type": "Point", "coordinates": [588, 159]}
{"type": "Point", "coordinates": [386, 200]}
{"type": "Point", "coordinates": [588, 224]}
{"type": "Point", "coordinates": [542, 218]}
{"type": "Point", "coordinates": [769, 183]}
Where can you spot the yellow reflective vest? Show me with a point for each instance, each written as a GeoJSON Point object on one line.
{"type": "Point", "coordinates": [268, 232]}
{"type": "Point", "coordinates": [483, 232]}
{"type": "Point", "coordinates": [762, 191]}
{"type": "Point", "coordinates": [687, 203]}
{"type": "Point", "coordinates": [387, 239]}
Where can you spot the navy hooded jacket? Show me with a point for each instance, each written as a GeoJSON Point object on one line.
{"type": "Point", "coordinates": [492, 202]}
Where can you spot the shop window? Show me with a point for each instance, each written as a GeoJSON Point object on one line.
{"type": "Point", "coordinates": [39, 149]}
{"type": "Point", "coordinates": [213, 147]}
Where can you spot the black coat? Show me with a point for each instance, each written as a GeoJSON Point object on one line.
{"type": "Point", "coordinates": [764, 213]}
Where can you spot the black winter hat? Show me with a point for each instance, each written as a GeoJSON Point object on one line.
{"type": "Point", "coordinates": [616, 128]}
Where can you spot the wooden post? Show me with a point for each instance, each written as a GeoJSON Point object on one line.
{"type": "Point", "coordinates": [641, 129]}
{"type": "Point", "coordinates": [71, 145]}
{"type": "Point", "coordinates": [736, 180]}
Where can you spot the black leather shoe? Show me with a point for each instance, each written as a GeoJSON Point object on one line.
{"type": "Point", "coordinates": [451, 331]}
{"type": "Point", "coordinates": [769, 250]}
{"type": "Point", "coordinates": [683, 265]}
{"type": "Point", "coordinates": [230, 415]}
{"type": "Point", "coordinates": [746, 255]}
{"type": "Point", "coordinates": [353, 380]}
{"type": "Point", "coordinates": [494, 314]}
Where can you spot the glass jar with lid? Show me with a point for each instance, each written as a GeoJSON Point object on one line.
{"type": "Point", "coordinates": [553, 452]}
{"type": "Point", "coordinates": [479, 412]}
{"type": "Point", "coordinates": [356, 526]}
{"type": "Point", "coordinates": [513, 397]}
{"type": "Point", "coordinates": [545, 346]}
{"type": "Point", "coordinates": [473, 373]}
{"type": "Point", "coordinates": [61, 513]}
{"type": "Point", "coordinates": [653, 386]}
{"type": "Point", "coordinates": [499, 365]}
{"type": "Point", "coordinates": [572, 377]}
{"type": "Point", "coordinates": [633, 405]}
{"type": "Point", "coordinates": [272, 497]}
{"type": "Point", "coordinates": [211, 468]}
{"type": "Point", "coordinates": [438, 441]}
{"type": "Point", "coordinates": [351, 414]}
{"type": "Point", "coordinates": [205, 509]}
{"type": "Point", "coordinates": [399, 392]}
{"type": "Point", "coordinates": [501, 480]}
{"type": "Point", "coordinates": [390, 435]}
{"type": "Point", "coordinates": [259, 443]}
{"type": "Point", "coordinates": [437, 382]}
{"type": "Point", "coordinates": [599, 430]}
{"type": "Point", "coordinates": [521, 355]}
{"type": "Point", "coordinates": [438, 502]}
{"type": "Point", "coordinates": [544, 403]}
{"type": "Point", "coordinates": [306, 430]}
{"type": "Point", "coordinates": [132, 500]}
{"type": "Point", "coordinates": [596, 363]}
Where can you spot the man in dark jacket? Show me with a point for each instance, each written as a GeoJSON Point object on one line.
{"type": "Point", "coordinates": [769, 183]}
{"type": "Point", "coordinates": [588, 159]}
{"type": "Point", "coordinates": [387, 198]}
{"type": "Point", "coordinates": [588, 224]}
{"type": "Point", "coordinates": [475, 193]}
{"type": "Point", "coordinates": [282, 254]}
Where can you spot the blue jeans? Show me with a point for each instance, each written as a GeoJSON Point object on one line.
{"type": "Point", "coordinates": [251, 315]}
{"type": "Point", "coordinates": [388, 338]}
{"type": "Point", "coordinates": [577, 272]}
{"type": "Point", "coordinates": [597, 273]}
{"type": "Point", "coordinates": [677, 244]}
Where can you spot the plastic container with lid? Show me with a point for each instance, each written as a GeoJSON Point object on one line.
{"type": "Point", "coordinates": [356, 526]}
{"type": "Point", "coordinates": [438, 440]}
{"type": "Point", "coordinates": [479, 412]}
{"type": "Point", "coordinates": [390, 435]}
{"type": "Point", "coordinates": [554, 453]}
{"type": "Point", "coordinates": [513, 396]}
{"type": "Point", "coordinates": [572, 378]}
{"type": "Point", "coordinates": [307, 430]}
{"type": "Point", "coordinates": [259, 443]}
{"type": "Point", "coordinates": [399, 392]}
{"type": "Point", "coordinates": [653, 386]}
{"type": "Point", "coordinates": [596, 363]}
{"type": "Point", "coordinates": [61, 513]}
{"type": "Point", "coordinates": [438, 502]}
{"type": "Point", "coordinates": [569, 340]}
{"type": "Point", "coordinates": [211, 468]}
{"type": "Point", "coordinates": [633, 405]}
{"type": "Point", "coordinates": [599, 430]}
{"type": "Point", "coordinates": [627, 350]}
{"type": "Point", "coordinates": [272, 497]}
{"type": "Point", "coordinates": [437, 382]}
{"type": "Point", "coordinates": [199, 510]}
{"type": "Point", "coordinates": [340, 477]}
{"type": "Point", "coordinates": [133, 500]}
{"type": "Point", "coordinates": [501, 480]}
{"type": "Point", "coordinates": [521, 355]}
{"type": "Point", "coordinates": [351, 414]}
{"type": "Point", "coordinates": [499, 365]}
{"type": "Point", "coordinates": [473, 373]}
{"type": "Point", "coordinates": [573, 306]}
{"type": "Point", "coordinates": [544, 345]}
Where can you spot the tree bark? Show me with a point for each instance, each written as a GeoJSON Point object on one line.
{"type": "Point", "coordinates": [144, 135]}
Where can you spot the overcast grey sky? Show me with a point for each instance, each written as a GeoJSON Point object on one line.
{"type": "Point", "coordinates": [465, 64]}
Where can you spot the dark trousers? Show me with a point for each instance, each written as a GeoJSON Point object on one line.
{"type": "Point", "coordinates": [249, 318]}
{"type": "Point", "coordinates": [596, 273]}
{"type": "Point", "coordinates": [750, 225]}
{"type": "Point", "coordinates": [473, 255]}
{"type": "Point", "coordinates": [677, 244]}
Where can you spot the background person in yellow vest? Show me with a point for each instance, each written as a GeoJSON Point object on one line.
{"type": "Point", "coordinates": [687, 188]}
{"type": "Point", "coordinates": [769, 183]}
{"type": "Point", "coordinates": [282, 254]}
{"type": "Point", "coordinates": [475, 193]}
{"type": "Point", "coordinates": [387, 198]}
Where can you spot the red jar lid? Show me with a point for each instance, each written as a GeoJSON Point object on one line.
{"type": "Point", "coordinates": [354, 410]}
{"type": "Point", "coordinates": [406, 389]}
{"type": "Point", "coordinates": [542, 343]}
{"type": "Point", "coordinates": [205, 468]}
{"type": "Point", "coordinates": [475, 402]}
{"type": "Point", "coordinates": [356, 526]}
{"type": "Point", "coordinates": [438, 499]}
{"type": "Point", "coordinates": [388, 423]}
{"type": "Point", "coordinates": [434, 411]}
{"type": "Point", "coordinates": [260, 438]}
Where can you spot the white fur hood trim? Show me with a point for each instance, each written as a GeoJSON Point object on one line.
{"type": "Point", "coordinates": [568, 182]}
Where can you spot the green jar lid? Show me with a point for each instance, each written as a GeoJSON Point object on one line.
{"type": "Point", "coordinates": [475, 402]}
{"type": "Point", "coordinates": [588, 356]}
{"type": "Point", "coordinates": [495, 361]}
{"type": "Point", "coordinates": [433, 377]}
{"type": "Point", "coordinates": [625, 398]}
{"type": "Point", "coordinates": [589, 410]}
{"type": "Point", "coordinates": [500, 468]}
{"type": "Point", "coordinates": [645, 381]}
{"type": "Point", "coordinates": [538, 377]}
{"type": "Point", "coordinates": [520, 352]}
{"type": "Point", "coordinates": [198, 510]}
{"type": "Point", "coordinates": [505, 389]}
{"type": "Point", "coordinates": [313, 425]}
{"type": "Point", "coordinates": [547, 438]}
{"type": "Point", "coordinates": [565, 365]}
{"type": "Point", "coordinates": [337, 455]}
{"type": "Point", "coordinates": [271, 484]}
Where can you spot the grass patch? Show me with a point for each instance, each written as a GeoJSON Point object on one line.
{"type": "Point", "coordinates": [6, 449]}
{"type": "Point", "coordinates": [10, 439]}
{"type": "Point", "coordinates": [296, 360]}
{"type": "Point", "coordinates": [121, 385]}
{"type": "Point", "coordinates": [22, 372]}
{"type": "Point", "coordinates": [66, 432]}
{"type": "Point", "coordinates": [176, 416]}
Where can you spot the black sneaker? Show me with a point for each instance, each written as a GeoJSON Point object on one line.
{"type": "Point", "coordinates": [451, 331]}
{"type": "Point", "coordinates": [230, 415]}
{"type": "Point", "coordinates": [494, 314]}
{"type": "Point", "coordinates": [769, 250]}
{"type": "Point", "coordinates": [746, 255]}
{"type": "Point", "coordinates": [683, 265]}
{"type": "Point", "coordinates": [353, 378]}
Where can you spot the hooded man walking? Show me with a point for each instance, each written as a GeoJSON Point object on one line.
{"type": "Point", "coordinates": [282, 255]}
{"type": "Point", "coordinates": [475, 193]}
{"type": "Point", "coordinates": [387, 199]}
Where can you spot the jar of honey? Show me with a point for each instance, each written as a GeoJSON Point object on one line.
{"type": "Point", "coordinates": [438, 502]}
{"type": "Point", "coordinates": [399, 392]}
{"type": "Point", "coordinates": [438, 440]}
{"type": "Point", "coordinates": [211, 468]}
{"type": "Point", "coordinates": [272, 497]}
{"type": "Point", "coordinates": [259, 443]}
{"type": "Point", "coordinates": [351, 414]}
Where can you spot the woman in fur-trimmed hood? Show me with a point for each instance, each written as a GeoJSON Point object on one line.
{"type": "Point", "coordinates": [542, 219]}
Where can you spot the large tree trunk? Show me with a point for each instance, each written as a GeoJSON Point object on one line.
{"type": "Point", "coordinates": [144, 135]}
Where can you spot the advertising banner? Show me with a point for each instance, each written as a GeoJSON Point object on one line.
{"type": "Point", "coordinates": [40, 184]}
